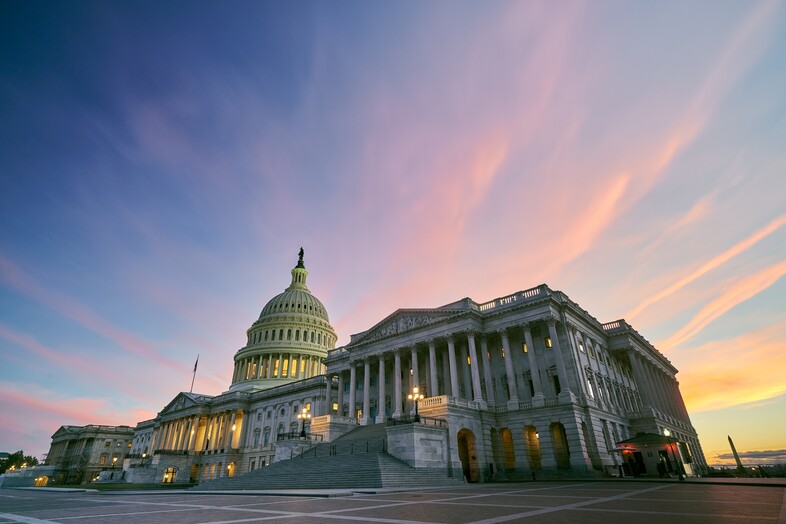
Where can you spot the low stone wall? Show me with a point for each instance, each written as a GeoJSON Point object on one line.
{"type": "Point", "coordinates": [418, 445]}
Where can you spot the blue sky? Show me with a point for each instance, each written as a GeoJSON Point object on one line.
{"type": "Point", "coordinates": [162, 163]}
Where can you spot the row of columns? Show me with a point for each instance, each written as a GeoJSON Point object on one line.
{"type": "Point", "coordinates": [475, 376]}
{"type": "Point", "coordinates": [184, 434]}
{"type": "Point", "coordinates": [264, 366]}
{"type": "Point", "coordinates": [608, 382]}
{"type": "Point", "coordinates": [659, 389]}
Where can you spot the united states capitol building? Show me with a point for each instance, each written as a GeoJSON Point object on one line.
{"type": "Point", "coordinates": [523, 385]}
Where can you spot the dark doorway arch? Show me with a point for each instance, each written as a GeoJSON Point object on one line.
{"type": "Point", "coordinates": [560, 439]}
{"type": "Point", "coordinates": [468, 454]}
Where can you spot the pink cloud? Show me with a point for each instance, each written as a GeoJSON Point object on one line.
{"type": "Point", "coordinates": [737, 293]}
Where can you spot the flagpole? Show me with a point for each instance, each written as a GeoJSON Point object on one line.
{"type": "Point", "coordinates": [194, 376]}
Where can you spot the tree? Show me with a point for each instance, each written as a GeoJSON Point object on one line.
{"type": "Point", "coordinates": [17, 460]}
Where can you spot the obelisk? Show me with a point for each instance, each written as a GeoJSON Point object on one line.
{"type": "Point", "coordinates": [736, 456]}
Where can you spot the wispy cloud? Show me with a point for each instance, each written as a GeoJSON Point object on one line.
{"type": "Point", "coordinates": [715, 262]}
{"type": "Point", "coordinates": [737, 293]}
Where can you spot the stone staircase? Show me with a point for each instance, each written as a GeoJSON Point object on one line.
{"type": "Point", "coordinates": [355, 460]}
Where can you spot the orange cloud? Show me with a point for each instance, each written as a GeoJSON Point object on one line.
{"type": "Point", "coordinates": [711, 264]}
{"type": "Point", "coordinates": [741, 370]}
{"type": "Point", "coordinates": [739, 292]}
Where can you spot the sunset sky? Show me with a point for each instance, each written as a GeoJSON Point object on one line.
{"type": "Point", "coordinates": [161, 163]}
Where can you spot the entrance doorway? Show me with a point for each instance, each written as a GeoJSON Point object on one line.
{"type": "Point", "coordinates": [468, 455]}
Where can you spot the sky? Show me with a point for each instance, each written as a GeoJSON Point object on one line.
{"type": "Point", "coordinates": [161, 163]}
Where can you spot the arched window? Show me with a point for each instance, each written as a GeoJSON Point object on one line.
{"type": "Point", "coordinates": [297, 334]}
{"type": "Point", "coordinates": [305, 336]}
{"type": "Point", "coordinates": [289, 334]}
{"type": "Point", "coordinates": [312, 337]}
{"type": "Point", "coordinates": [281, 334]}
{"type": "Point", "coordinates": [266, 335]}
{"type": "Point", "coordinates": [273, 335]}
{"type": "Point", "coordinates": [319, 338]}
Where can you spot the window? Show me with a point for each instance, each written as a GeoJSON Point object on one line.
{"type": "Point", "coordinates": [107, 443]}
{"type": "Point", "coordinates": [547, 341]}
{"type": "Point", "coordinates": [524, 347]}
{"type": "Point", "coordinates": [256, 438]}
{"type": "Point", "coordinates": [581, 346]}
{"type": "Point", "coordinates": [297, 334]}
{"type": "Point", "coordinates": [289, 334]}
{"type": "Point", "coordinates": [502, 352]}
{"type": "Point", "coordinates": [335, 406]}
{"type": "Point", "coordinates": [312, 337]}
{"type": "Point", "coordinates": [281, 334]}
{"type": "Point", "coordinates": [273, 335]}
{"type": "Point", "coordinates": [266, 440]}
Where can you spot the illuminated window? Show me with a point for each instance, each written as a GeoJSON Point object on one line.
{"type": "Point", "coordinates": [468, 361]}
{"type": "Point", "coordinates": [285, 368]}
{"type": "Point", "coordinates": [581, 346]}
{"type": "Point", "coordinates": [547, 341]}
{"type": "Point", "coordinates": [308, 406]}
{"type": "Point", "coordinates": [335, 406]}
{"type": "Point", "coordinates": [524, 347]}
{"type": "Point", "coordinates": [502, 352]}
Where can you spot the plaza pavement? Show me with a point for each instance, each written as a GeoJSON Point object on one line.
{"type": "Point", "coordinates": [530, 502]}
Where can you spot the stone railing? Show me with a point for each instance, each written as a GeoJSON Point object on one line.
{"type": "Point", "coordinates": [511, 299]}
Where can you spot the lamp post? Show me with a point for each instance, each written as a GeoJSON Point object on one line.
{"type": "Point", "coordinates": [144, 456]}
{"type": "Point", "coordinates": [303, 416]}
{"type": "Point", "coordinates": [416, 395]}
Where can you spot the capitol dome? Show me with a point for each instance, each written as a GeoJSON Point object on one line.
{"type": "Point", "coordinates": [289, 341]}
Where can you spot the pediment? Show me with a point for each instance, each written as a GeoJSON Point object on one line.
{"type": "Point", "coordinates": [402, 321]}
{"type": "Point", "coordinates": [183, 401]}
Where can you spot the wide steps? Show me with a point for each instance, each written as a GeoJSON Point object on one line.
{"type": "Point", "coordinates": [356, 460]}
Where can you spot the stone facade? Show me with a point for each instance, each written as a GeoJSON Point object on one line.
{"type": "Point", "coordinates": [80, 453]}
{"type": "Point", "coordinates": [525, 384]}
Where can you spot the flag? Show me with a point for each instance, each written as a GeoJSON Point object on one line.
{"type": "Point", "coordinates": [196, 363]}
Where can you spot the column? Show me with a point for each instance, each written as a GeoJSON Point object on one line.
{"type": "Point", "coordinates": [192, 436]}
{"type": "Point", "coordinates": [638, 375]}
{"type": "Point", "coordinates": [416, 370]}
{"type": "Point", "coordinates": [512, 389]}
{"type": "Point", "coordinates": [231, 430]}
{"type": "Point", "coordinates": [432, 368]}
{"type": "Point", "coordinates": [577, 359]}
{"type": "Point", "coordinates": [341, 393]}
{"type": "Point", "coordinates": [328, 392]}
{"type": "Point", "coordinates": [381, 391]}
{"type": "Point", "coordinates": [352, 390]}
{"type": "Point", "coordinates": [366, 391]}
{"type": "Point", "coordinates": [484, 350]}
{"type": "Point", "coordinates": [537, 398]}
{"type": "Point", "coordinates": [270, 361]}
{"type": "Point", "coordinates": [466, 379]}
{"type": "Point", "coordinates": [477, 393]}
{"type": "Point", "coordinates": [561, 371]}
{"type": "Point", "coordinates": [454, 384]}
{"type": "Point", "coordinates": [259, 367]}
{"type": "Point", "coordinates": [289, 369]}
{"type": "Point", "coordinates": [397, 381]}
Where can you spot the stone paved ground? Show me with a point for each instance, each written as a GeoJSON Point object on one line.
{"type": "Point", "coordinates": [532, 502]}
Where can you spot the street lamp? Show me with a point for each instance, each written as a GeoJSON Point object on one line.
{"type": "Point", "coordinates": [144, 456]}
{"type": "Point", "coordinates": [114, 461]}
{"type": "Point", "coordinates": [303, 416]}
{"type": "Point", "coordinates": [416, 395]}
